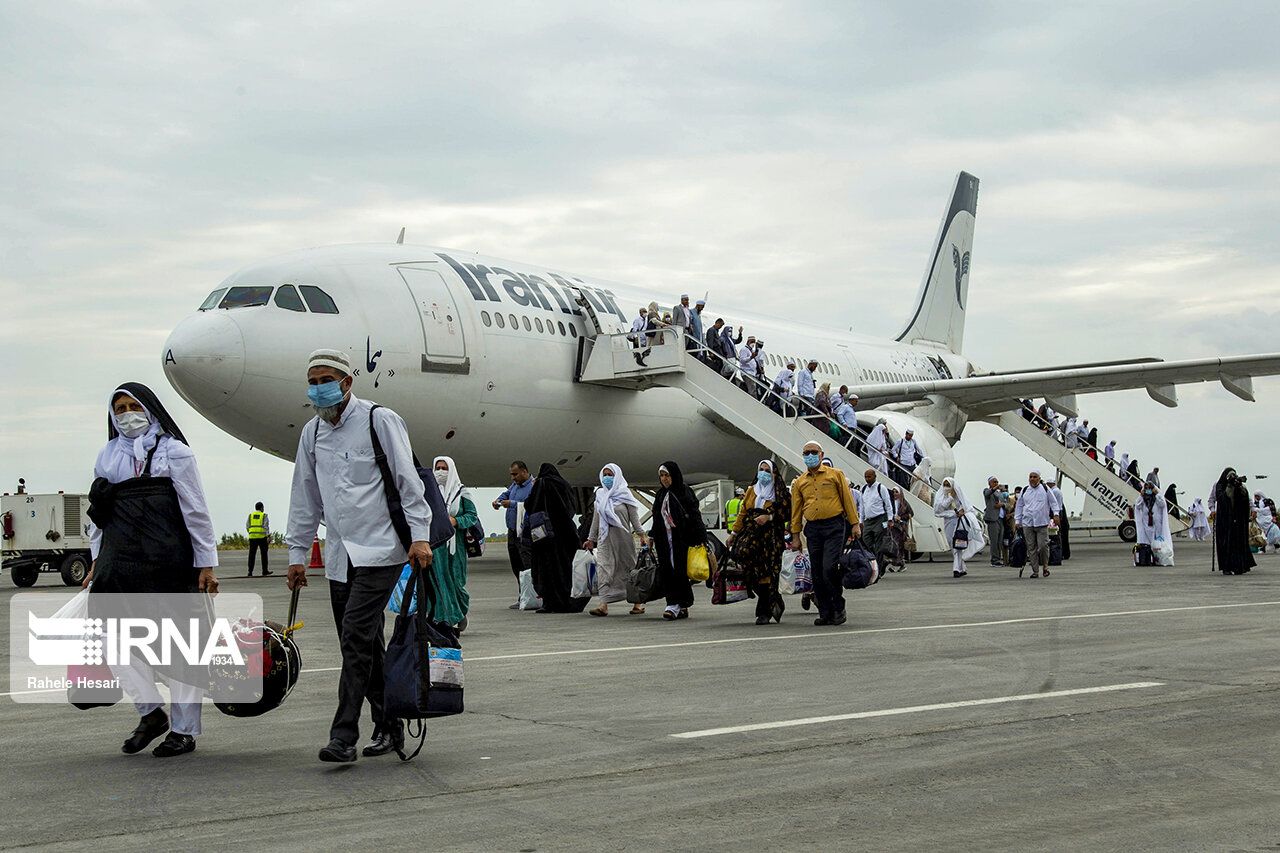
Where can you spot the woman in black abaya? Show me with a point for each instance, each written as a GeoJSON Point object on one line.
{"type": "Point", "coordinates": [552, 555]}
{"type": "Point", "coordinates": [677, 527]}
{"type": "Point", "coordinates": [1229, 503]}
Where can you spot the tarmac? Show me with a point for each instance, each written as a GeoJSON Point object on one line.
{"type": "Point", "coordinates": [1107, 707]}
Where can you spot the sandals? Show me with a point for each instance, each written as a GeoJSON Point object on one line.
{"type": "Point", "coordinates": [669, 615]}
{"type": "Point", "coordinates": [598, 611]}
{"type": "Point", "coordinates": [637, 610]}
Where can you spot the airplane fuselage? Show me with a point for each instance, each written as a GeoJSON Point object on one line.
{"type": "Point", "coordinates": [479, 354]}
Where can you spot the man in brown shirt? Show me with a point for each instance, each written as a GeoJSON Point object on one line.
{"type": "Point", "coordinates": [822, 506]}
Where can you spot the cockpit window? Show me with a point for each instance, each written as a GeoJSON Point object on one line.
{"type": "Point", "coordinates": [288, 299]}
{"type": "Point", "coordinates": [211, 301]}
{"type": "Point", "coordinates": [246, 297]}
{"type": "Point", "coordinates": [317, 300]}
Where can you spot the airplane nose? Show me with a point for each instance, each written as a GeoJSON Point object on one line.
{"type": "Point", "coordinates": [204, 359]}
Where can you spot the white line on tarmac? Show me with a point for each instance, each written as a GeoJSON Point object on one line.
{"type": "Point", "coordinates": [915, 709]}
{"type": "Point", "coordinates": [824, 635]}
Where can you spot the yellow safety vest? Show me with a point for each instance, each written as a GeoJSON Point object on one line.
{"type": "Point", "coordinates": [731, 510]}
{"type": "Point", "coordinates": [257, 530]}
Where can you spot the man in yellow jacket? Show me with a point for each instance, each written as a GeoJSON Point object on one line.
{"type": "Point", "coordinates": [822, 506]}
{"type": "Point", "coordinates": [258, 527]}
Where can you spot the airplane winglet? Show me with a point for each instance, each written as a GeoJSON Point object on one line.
{"type": "Point", "coordinates": [400, 239]}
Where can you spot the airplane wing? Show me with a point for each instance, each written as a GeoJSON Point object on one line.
{"type": "Point", "coordinates": [981, 395]}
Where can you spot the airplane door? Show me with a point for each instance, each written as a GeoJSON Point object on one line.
{"type": "Point", "coordinates": [856, 376]}
{"type": "Point", "coordinates": [442, 333]}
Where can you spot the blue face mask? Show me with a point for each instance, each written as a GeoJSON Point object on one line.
{"type": "Point", "coordinates": [764, 478]}
{"type": "Point", "coordinates": [326, 395]}
{"type": "Point", "coordinates": [812, 460]}
{"type": "Point", "coordinates": [607, 482]}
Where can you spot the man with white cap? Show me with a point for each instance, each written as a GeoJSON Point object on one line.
{"type": "Point", "coordinates": [339, 476]}
{"type": "Point", "coordinates": [1035, 508]}
{"type": "Point", "coordinates": [682, 319]}
{"type": "Point", "coordinates": [907, 453]}
{"type": "Point", "coordinates": [993, 514]}
{"type": "Point", "coordinates": [782, 386]}
{"type": "Point", "coordinates": [695, 322]}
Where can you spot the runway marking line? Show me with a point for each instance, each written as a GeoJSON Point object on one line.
{"type": "Point", "coordinates": [819, 635]}
{"type": "Point", "coordinates": [915, 709]}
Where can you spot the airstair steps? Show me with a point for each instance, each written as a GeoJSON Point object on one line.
{"type": "Point", "coordinates": [610, 360]}
{"type": "Point", "coordinates": [1114, 492]}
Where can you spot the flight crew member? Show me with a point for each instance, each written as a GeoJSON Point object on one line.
{"type": "Point", "coordinates": [336, 477]}
{"type": "Point", "coordinates": [518, 550]}
{"type": "Point", "coordinates": [822, 506]}
{"type": "Point", "coordinates": [733, 508]}
{"type": "Point", "coordinates": [258, 526]}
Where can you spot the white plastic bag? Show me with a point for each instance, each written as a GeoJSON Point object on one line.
{"type": "Point", "coordinates": [1162, 552]}
{"type": "Point", "coordinates": [528, 598]}
{"type": "Point", "coordinates": [584, 575]}
{"type": "Point", "coordinates": [787, 578]}
{"type": "Point", "coordinates": [76, 608]}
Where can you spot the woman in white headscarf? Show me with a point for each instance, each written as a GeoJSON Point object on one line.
{"type": "Point", "coordinates": [920, 483]}
{"type": "Point", "coordinates": [1199, 521]}
{"type": "Point", "coordinates": [877, 445]}
{"type": "Point", "coordinates": [449, 561]}
{"type": "Point", "coordinates": [950, 505]}
{"type": "Point", "coordinates": [1151, 516]}
{"type": "Point", "coordinates": [151, 534]}
{"type": "Point", "coordinates": [615, 524]}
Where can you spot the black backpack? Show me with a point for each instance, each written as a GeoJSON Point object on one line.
{"type": "Point", "coordinates": [441, 530]}
{"type": "Point", "coordinates": [1142, 555]}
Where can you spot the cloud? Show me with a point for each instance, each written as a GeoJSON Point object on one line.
{"type": "Point", "coordinates": [788, 158]}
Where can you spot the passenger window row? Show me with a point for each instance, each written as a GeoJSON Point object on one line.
{"type": "Point", "coordinates": [253, 296]}
{"type": "Point", "coordinates": [516, 323]}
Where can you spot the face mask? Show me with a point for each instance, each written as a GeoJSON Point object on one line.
{"type": "Point", "coordinates": [812, 460]}
{"type": "Point", "coordinates": [764, 478]}
{"type": "Point", "coordinates": [132, 424]}
{"type": "Point", "coordinates": [607, 481]}
{"type": "Point", "coordinates": [442, 477]}
{"type": "Point", "coordinates": [326, 395]}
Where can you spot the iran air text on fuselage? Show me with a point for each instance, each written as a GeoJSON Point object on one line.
{"type": "Point", "coordinates": [531, 290]}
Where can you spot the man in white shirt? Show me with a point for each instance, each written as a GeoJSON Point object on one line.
{"type": "Point", "coordinates": [875, 510]}
{"type": "Point", "coordinates": [908, 455]}
{"type": "Point", "coordinates": [1109, 453]}
{"type": "Point", "coordinates": [747, 364]}
{"type": "Point", "coordinates": [1035, 508]}
{"type": "Point", "coordinates": [338, 477]}
{"type": "Point", "coordinates": [782, 386]}
{"type": "Point", "coordinates": [847, 417]}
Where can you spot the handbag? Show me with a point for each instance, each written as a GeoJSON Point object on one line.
{"type": "Point", "coordinates": [539, 526]}
{"type": "Point", "coordinates": [697, 565]}
{"type": "Point", "coordinates": [88, 685]}
{"type": "Point", "coordinates": [857, 568]}
{"type": "Point", "coordinates": [642, 580]}
{"type": "Point", "coordinates": [961, 540]}
{"type": "Point", "coordinates": [584, 584]}
{"type": "Point", "coordinates": [804, 573]}
{"type": "Point", "coordinates": [422, 669]}
{"type": "Point", "coordinates": [729, 587]}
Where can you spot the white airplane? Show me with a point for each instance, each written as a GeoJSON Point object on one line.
{"type": "Point", "coordinates": [480, 357]}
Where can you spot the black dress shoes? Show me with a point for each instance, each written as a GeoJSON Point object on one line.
{"type": "Point", "coordinates": [175, 744]}
{"type": "Point", "coordinates": [338, 752]}
{"type": "Point", "coordinates": [383, 743]}
{"type": "Point", "coordinates": [838, 619]}
{"type": "Point", "coordinates": [149, 728]}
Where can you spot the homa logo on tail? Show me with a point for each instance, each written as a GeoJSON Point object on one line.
{"type": "Point", "coordinates": [962, 269]}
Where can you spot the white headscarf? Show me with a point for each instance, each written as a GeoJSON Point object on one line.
{"type": "Point", "coordinates": [944, 496]}
{"type": "Point", "coordinates": [608, 500]}
{"type": "Point", "coordinates": [924, 469]}
{"type": "Point", "coordinates": [970, 521]}
{"type": "Point", "coordinates": [765, 494]}
{"type": "Point", "coordinates": [136, 448]}
{"type": "Point", "coordinates": [1196, 506]}
{"type": "Point", "coordinates": [453, 492]}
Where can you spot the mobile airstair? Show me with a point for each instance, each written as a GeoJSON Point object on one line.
{"type": "Point", "coordinates": [613, 360]}
{"type": "Point", "coordinates": [1113, 491]}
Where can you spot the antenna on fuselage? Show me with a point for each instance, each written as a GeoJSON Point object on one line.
{"type": "Point", "coordinates": [400, 239]}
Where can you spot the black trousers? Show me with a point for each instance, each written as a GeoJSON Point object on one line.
{"type": "Point", "coordinates": [358, 606]}
{"type": "Point", "coordinates": [766, 595]}
{"type": "Point", "coordinates": [1065, 532]}
{"type": "Point", "coordinates": [518, 553]}
{"type": "Point", "coordinates": [256, 545]}
{"type": "Point", "coordinates": [826, 540]}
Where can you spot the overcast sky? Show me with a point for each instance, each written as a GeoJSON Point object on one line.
{"type": "Point", "coordinates": [790, 158]}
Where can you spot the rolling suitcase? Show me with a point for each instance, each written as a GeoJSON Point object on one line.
{"type": "Point", "coordinates": [1055, 550]}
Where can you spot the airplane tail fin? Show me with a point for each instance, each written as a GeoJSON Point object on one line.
{"type": "Point", "coordinates": [939, 310]}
